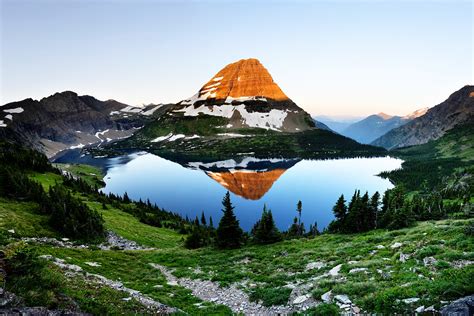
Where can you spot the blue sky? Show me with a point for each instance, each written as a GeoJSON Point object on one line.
{"type": "Point", "coordinates": [330, 57]}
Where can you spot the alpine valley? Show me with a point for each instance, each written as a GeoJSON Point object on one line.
{"type": "Point", "coordinates": [234, 201]}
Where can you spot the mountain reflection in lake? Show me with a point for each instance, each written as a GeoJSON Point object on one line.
{"type": "Point", "coordinates": [185, 187]}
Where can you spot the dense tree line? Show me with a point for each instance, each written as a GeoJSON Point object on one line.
{"type": "Point", "coordinates": [396, 210]}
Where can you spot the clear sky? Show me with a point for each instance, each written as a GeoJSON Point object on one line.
{"type": "Point", "coordinates": [330, 57]}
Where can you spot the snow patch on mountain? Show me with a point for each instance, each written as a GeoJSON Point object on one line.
{"type": "Point", "coordinates": [15, 110]}
{"type": "Point", "coordinates": [2, 124]}
{"type": "Point", "coordinates": [230, 99]}
{"type": "Point", "coordinates": [9, 116]}
{"type": "Point", "coordinates": [233, 135]}
{"type": "Point", "coordinates": [267, 120]}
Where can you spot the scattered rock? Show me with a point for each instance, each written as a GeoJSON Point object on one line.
{"type": "Point", "coordinates": [428, 261]}
{"type": "Point", "coordinates": [92, 264]}
{"type": "Point", "coordinates": [404, 257]}
{"type": "Point", "coordinates": [430, 309]}
{"type": "Point", "coordinates": [315, 265]}
{"type": "Point", "coordinates": [301, 299]}
{"type": "Point", "coordinates": [114, 241]}
{"type": "Point", "coordinates": [11, 231]}
{"type": "Point", "coordinates": [380, 247]}
{"type": "Point", "coordinates": [172, 283]}
{"type": "Point", "coordinates": [420, 309]}
{"type": "Point", "coordinates": [458, 264]}
{"type": "Point", "coordinates": [396, 245]}
{"type": "Point", "coordinates": [343, 299]}
{"type": "Point", "coordinates": [327, 297]}
{"type": "Point", "coordinates": [357, 270]}
{"type": "Point", "coordinates": [410, 300]}
{"type": "Point", "coordinates": [75, 271]}
{"type": "Point", "coordinates": [335, 271]}
{"type": "Point", "coordinates": [233, 297]}
{"type": "Point", "coordinates": [245, 260]}
{"type": "Point", "coordinates": [461, 307]}
{"type": "Point", "coordinates": [353, 262]}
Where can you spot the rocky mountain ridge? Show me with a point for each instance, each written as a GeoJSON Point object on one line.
{"type": "Point", "coordinates": [66, 120]}
{"type": "Point", "coordinates": [456, 110]}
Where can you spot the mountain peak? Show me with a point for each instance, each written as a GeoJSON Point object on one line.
{"type": "Point", "coordinates": [242, 80]}
{"type": "Point", "coordinates": [384, 116]}
{"type": "Point", "coordinates": [415, 114]}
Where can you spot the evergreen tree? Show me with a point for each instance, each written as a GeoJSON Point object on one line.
{"type": "Point", "coordinates": [211, 223]}
{"type": "Point", "coordinates": [299, 208]}
{"type": "Point", "coordinates": [294, 229]}
{"type": "Point", "coordinates": [203, 219]}
{"type": "Point", "coordinates": [265, 230]}
{"type": "Point", "coordinates": [229, 233]}
{"type": "Point", "coordinates": [374, 210]}
{"type": "Point", "coordinates": [340, 213]}
{"type": "Point", "coordinates": [126, 199]}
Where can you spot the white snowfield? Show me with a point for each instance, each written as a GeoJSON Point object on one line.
{"type": "Point", "coordinates": [15, 110]}
{"type": "Point", "coordinates": [9, 116]}
{"type": "Point", "coordinates": [77, 146]}
{"type": "Point", "coordinates": [233, 135]}
{"type": "Point", "coordinates": [171, 138]}
{"type": "Point", "coordinates": [232, 164]}
{"type": "Point", "coordinates": [2, 124]}
{"type": "Point", "coordinates": [137, 110]}
{"type": "Point", "coordinates": [268, 120]}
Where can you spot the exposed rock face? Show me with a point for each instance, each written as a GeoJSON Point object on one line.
{"type": "Point", "coordinates": [244, 78]}
{"type": "Point", "coordinates": [66, 120]}
{"type": "Point", "coordinates": [461, 307]}
{"type": "Point", "coordinates": [244, 92]}
{"type": "Point", "coordinates": [456, 110]}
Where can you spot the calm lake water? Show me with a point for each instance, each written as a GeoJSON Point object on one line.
{"type": "Point", "coordinates": [188, 188]}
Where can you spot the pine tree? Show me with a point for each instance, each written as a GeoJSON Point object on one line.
{"type": "Point", "coordinates": [374, 210]}
{"type": "Point", "coordinates": [203, 219]}
{"type": "Point", "coordinates": [299, 208]}
{"type": "Point", "coordinates": [265, 230]}
{"type": "Point", "coordinates": [293, 231]}
{"type": "Point", "coordinates": [340, 213]}
{"type": "Point", "coordinates": [211, 223]}
{"type": "Point", "coordinates": [229, 233]}
{"type": "Point", "coordinates": [126, 199]}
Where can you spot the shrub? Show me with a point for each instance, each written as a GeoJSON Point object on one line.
{"type": "Point", "coordinates": [271, 296]}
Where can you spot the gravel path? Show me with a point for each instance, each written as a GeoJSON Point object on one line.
{"type": "Point", "coordinates": [232, 297]}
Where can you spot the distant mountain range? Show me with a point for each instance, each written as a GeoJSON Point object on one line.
{"type": "Point", "coordinates": [367, 130]}
{"type": "Point", "coordinates": [65, 120]}
{"type": "Point", "coordinates": [240, 109]}
{"type": "Point", "coordinates": [457, 110]}
{"type": "Point", "coordinates": [337, 123]}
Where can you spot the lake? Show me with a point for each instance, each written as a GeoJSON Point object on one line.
{"type": "Point", "coordinates": [188, 188]}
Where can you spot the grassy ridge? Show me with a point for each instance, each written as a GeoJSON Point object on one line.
{"type": "Point", "coordinates": [427, 165]}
